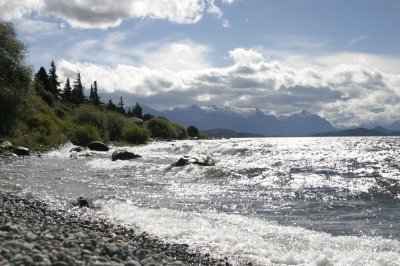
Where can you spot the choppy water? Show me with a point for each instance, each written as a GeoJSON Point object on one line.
{"type": "Point", "coordinates": [297, 201]}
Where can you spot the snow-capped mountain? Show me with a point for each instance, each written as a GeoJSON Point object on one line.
{"type": "Point", "coordinates": [249, 120]}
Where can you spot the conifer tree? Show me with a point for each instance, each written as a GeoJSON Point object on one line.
{"type": "Point", "coordinates": [66, 92]}
{"type": "Point", "coordinates": [121, 106]}
{"type": "Point", "coordinates": [96, 98]}
{"type": "Point", "coordinates": [111, 106]}
{"type": "Point", "coordinates": [53, 80]}
{"type": "Point", "coordinates": [78, 92]}
{"type": "Point", "coordinates": [42, 79]}
{"type": "Point", "coordinates": [137, 111]}
{"type": "Point", "coordinates": [91, 95]}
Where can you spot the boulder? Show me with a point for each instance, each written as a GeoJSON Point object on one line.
{"type": "Point", "coordinates": [21, 151]}
{"type": "Point", "coordinates": [98, 146]}
{"type": "Point", "coordinates": [6, 145]}
{"type": "Point", "coordinates": [76, 149]}
{"type": "Point", "coordinates": [185, 160]}
{"type": "Point", "coordinates": [82, 202]}
{"type": "Point", "coordinates": [123, 155]}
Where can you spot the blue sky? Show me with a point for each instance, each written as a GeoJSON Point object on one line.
{"type": "Point", "coordinates": [337, 58]}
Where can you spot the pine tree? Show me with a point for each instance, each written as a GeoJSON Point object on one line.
{"type": "Point", "coordinates": [111, 106]}
{"type": "Point", "coordinates": [78, 92]}
{"type": "Point", "coordinates": [137, 111]}
{"type": "Point", "coordinates": [66, 92]}
{"type": "Point", "coordinates": [121, 106]}
{"type": "Point", "coordinates": [96, 98]}
{"type": "Point", "coordinates": [53, 80]}
{"type": "Point", "coordinates": [129, 112]}
{"type": "Point", "coordinates": [91, 95]}
{"type": "Point", "coordinates": [42, 79]}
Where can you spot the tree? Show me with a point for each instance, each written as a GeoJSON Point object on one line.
{"type": "Point", "coordinates": [111, 106]}
{"type": "Point", "coordinates": [137, 111]}
{"type": "Point", "coordinates": [66, 92]}
{"type": "Point", "coordinates": [15, 79]}
{"type": "Point", "coordinates": [42, 86]}
{"type": "Point", "coordinates": [120, 106]}
{"type": "Point", "coordinates": [91, 94]}
{"type": "Point", "coordinates": [96, 98]}
{"type": "Point", "coordinates": [78, 92]}
{"type": "Point", "coordinates": [192, 131]}
{"type": "Point", "coordinates": [53, 80]}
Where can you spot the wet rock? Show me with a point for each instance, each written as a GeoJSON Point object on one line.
{"type": "Point", "coordinates": [82, 202]}
{"type": "Point", "coordinates": [30, 237]}
{"type": "Point", "coordinates": [185, 160]}
{"type": "Point", "coordinates": [124, 155]}
{"type": "Point", "coordinates": [76, 149]}
{"type": "Point", "coordinates": [21, 151]}
{"type": "Point", "coordinates": [111, 249]}
{"type": "Point", "coordinates": [98, 146]}
{"type": "Point", "coordinates": [6, 145]}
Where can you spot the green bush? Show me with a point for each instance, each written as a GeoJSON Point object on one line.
{"type": "Point", "coordinates": [115, 123]}
{"type": "Point", "coordinates": [192, 131]}
{"type": "Point", "coordinates": [162, 128]}
{"type": "Point", "coordinates": [135, 135]}
{"type": "Point", "coordinates": [89, 115]}
{"type": "Point", "coordinates": [41, 123]}
{"type": "Point", "coordinates": [180, 131]}
{"type": "Point", "coordinates": [83, 135]}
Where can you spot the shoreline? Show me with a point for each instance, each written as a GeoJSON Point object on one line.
{"type": "Point", "coordinates": [33, 233]}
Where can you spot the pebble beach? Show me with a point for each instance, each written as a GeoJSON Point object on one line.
{"type": "Point", "coordinates": [34, 233]}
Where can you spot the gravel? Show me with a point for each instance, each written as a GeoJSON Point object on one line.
{"type": "Point", "coordinates": [33, 233]}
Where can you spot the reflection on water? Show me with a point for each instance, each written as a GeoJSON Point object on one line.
{"type": "Point", "coordinates": [339, 186]}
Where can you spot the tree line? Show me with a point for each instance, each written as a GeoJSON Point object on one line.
{"type": "Point", "coordinates": [47, 86]}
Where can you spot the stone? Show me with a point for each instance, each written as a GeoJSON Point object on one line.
{"type": "Point", "coordinates": [6, 145]}
{"type": "Point", "coordinates": [82, 202]}
{"type": "Point", "coordinates": [111, 249]}
{"type": "Point", "coordinates": [98, 146]}
{"type": "Point", "coordinates": [132, 263]}
{"type": "Point", "coordinates": [141, 254]}
{"type": "Point", "coordinates": [21, 151]}
{"type": "Point", "coordinates": [185, 160]}
{"type": "Point", "coordinates": [30, 237]}
{"type": "Point", "coordinates": [123, 155]}
{"type": "Point", "coordinates": [76, 149]}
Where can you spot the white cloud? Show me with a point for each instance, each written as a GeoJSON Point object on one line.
{"type": "Point", "coordinates": [104, 14]}
{"type": "Point", "coordinates": [346, 94]}
{"type": "Point", "coordinates": [16, 9]}
{"type": "Point", "coordinates": [245, 57]}
{"type": "Point", "coordinates": [175, 56]}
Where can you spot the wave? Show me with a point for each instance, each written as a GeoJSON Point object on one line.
{"type": "Point", "coordinates": [252, 239]}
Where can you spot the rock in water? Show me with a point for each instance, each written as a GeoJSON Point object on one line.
{"type": "Point", "coordinates": [6, 145]}
{"type": "Point", "coordinates": [185, 160]}
{"type": "Point", "coordinates": [98, 146]}
{"type": "Point", "coordinates": [21, 151]}
{"type": "Point", "coordinates": [82, 202]}
{"type": "Point", "coordinates": [123, 155]}
{"type": "Point", "coordinates": [76, 149]}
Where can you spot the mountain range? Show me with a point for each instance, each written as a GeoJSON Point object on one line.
{"type": "Point", "coordinates": [249, 120]}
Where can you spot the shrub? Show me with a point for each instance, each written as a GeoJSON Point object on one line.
{"type": "Point", "coordinates": [162, 128]}
{"type": "Point", "coordinates": [135, 135]}
{"type": "Point", "coordinates": [115, 123]}
{"type": "Point", "coordinates": [83, 135]}
{"type": "Point", "coordinates": [41, 123]}
{"type": "Point", "coordinates": [192, 131]}
{"type": "Point", "coordinates": [89, 115]}
{"type": "Point", "coordinates": [181, 132]}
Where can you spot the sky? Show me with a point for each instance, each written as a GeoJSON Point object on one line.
{"type": "Point", "coordinates": [336, 58]}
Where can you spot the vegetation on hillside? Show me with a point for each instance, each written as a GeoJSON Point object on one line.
{"type": "Point", "coordinates": [36, 112]}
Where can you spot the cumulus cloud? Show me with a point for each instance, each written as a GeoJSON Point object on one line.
{"type": "Point", "coordinates": [105, 14]}
{"type": "Point", "coordinates": [344, 94]}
